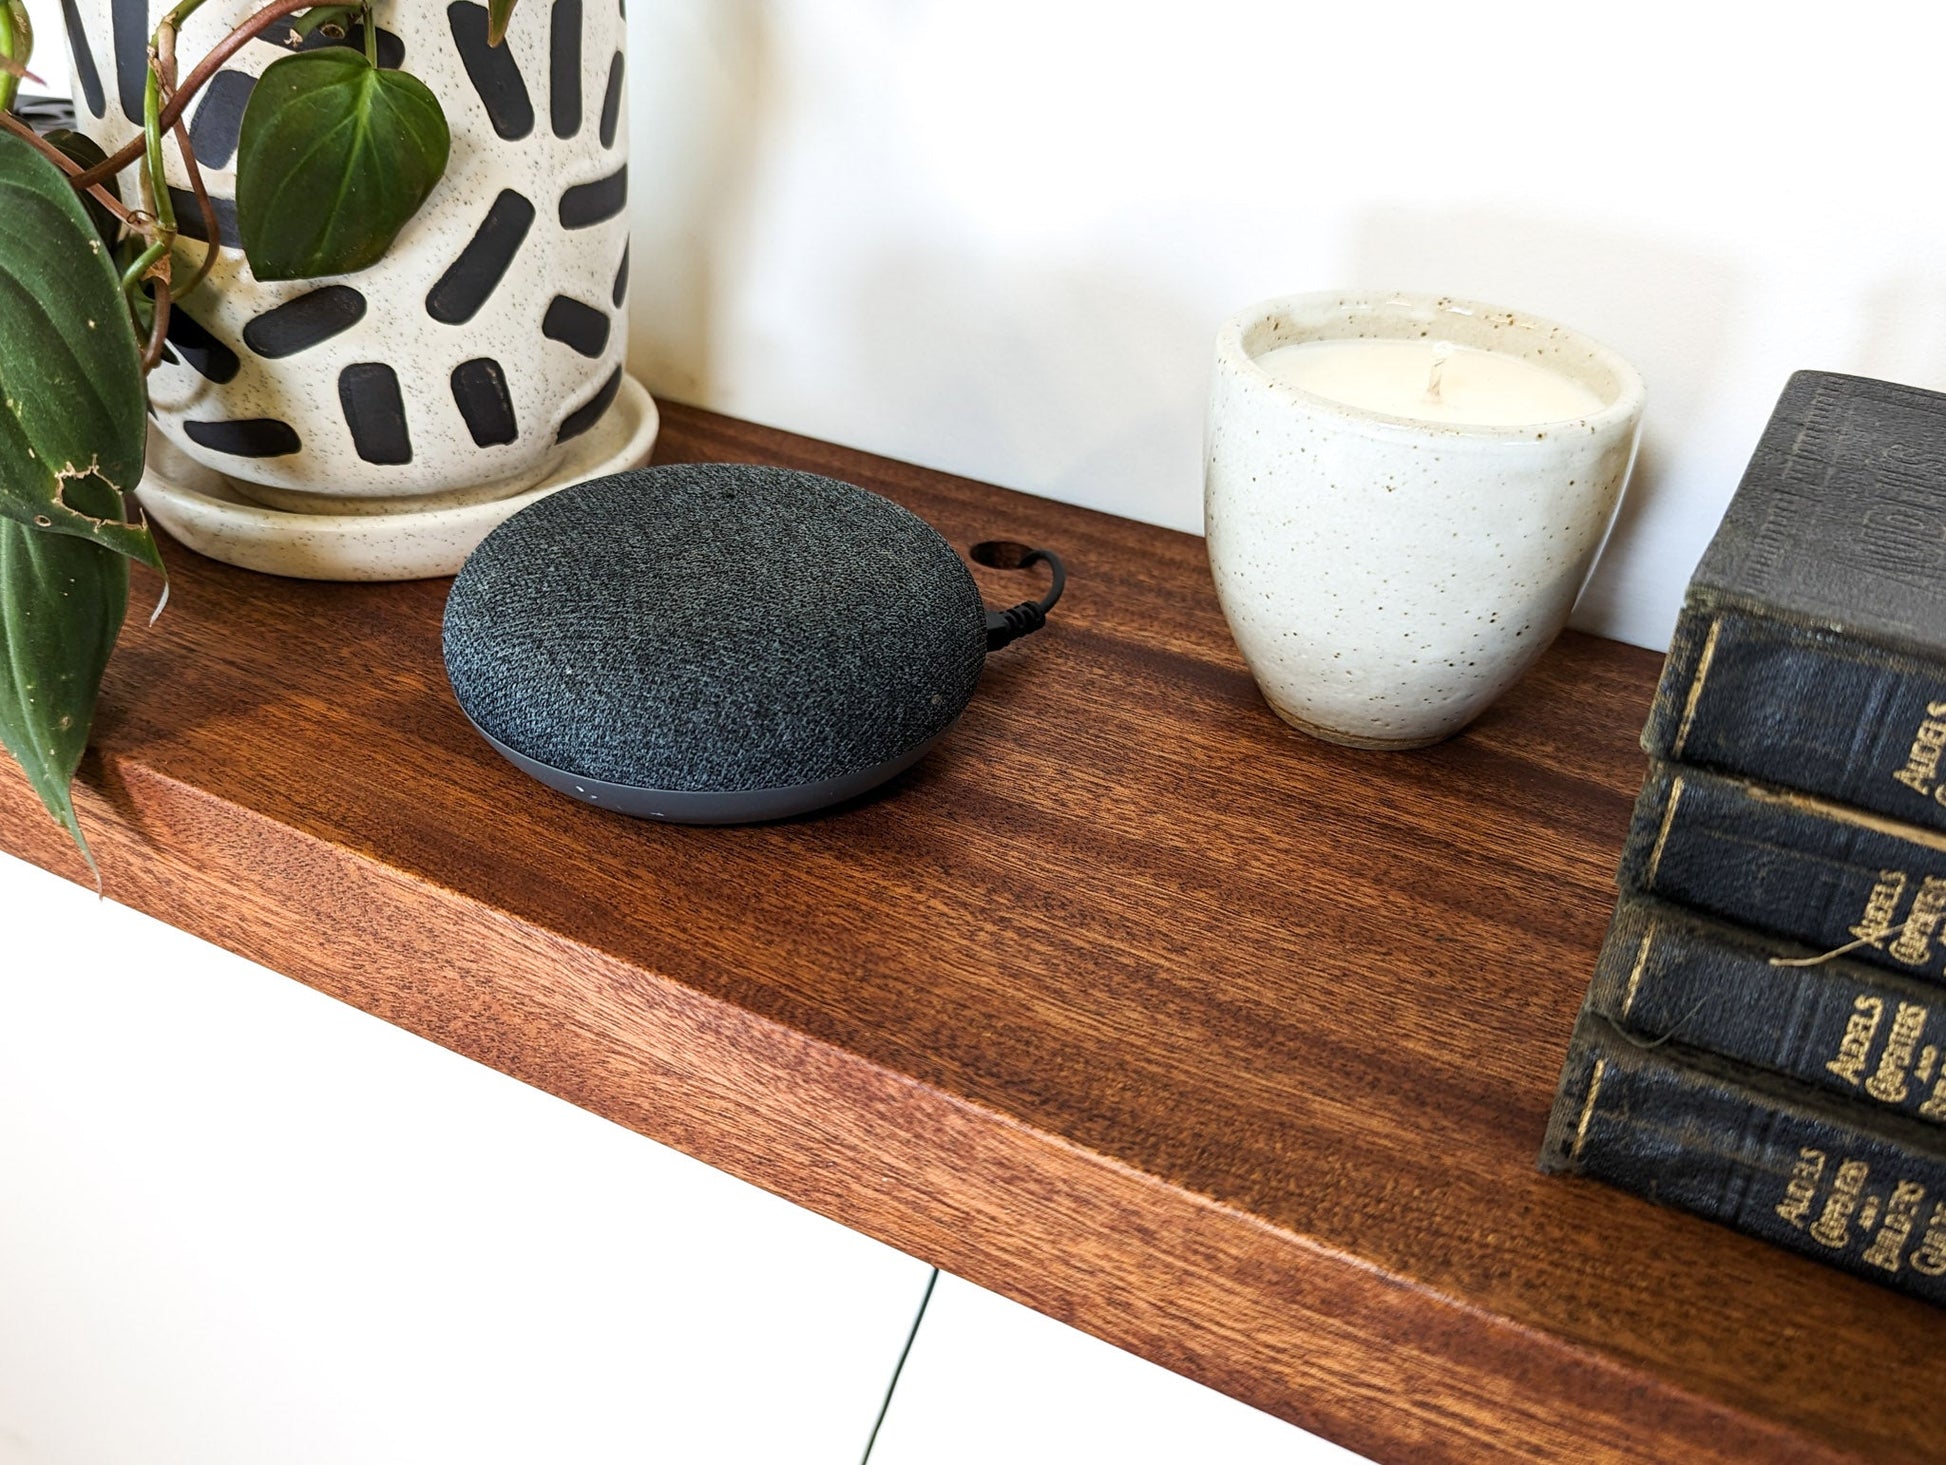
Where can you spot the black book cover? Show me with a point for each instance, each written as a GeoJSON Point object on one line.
{"type": "Point", "coordinates": [1837, 879]}
{"type": "Point", "coordinates": [1832, 1179]}
{"type": "Point", "coordinates": [1811, 651]}
{"type": "Point", "coordinates": [1669, 975]}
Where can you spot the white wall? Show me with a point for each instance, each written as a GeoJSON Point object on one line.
{"type": "Point", "coordinates": [987, 1381]}
{"type": "Point", "coordinates": [243, 1224]}
{"type": "Point", "coordinates": [996, 236]}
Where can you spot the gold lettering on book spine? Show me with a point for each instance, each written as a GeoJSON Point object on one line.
{"type": "Point", "coordinates": [1855, 1047]}
{"type": "Point", "coordinates": [1880, 907]}
{"type": "Point", "coordinates": [1914, 946]}
{"type": "Point", "coordinates": [1888, 1085]}
{"type": "Point", "coordinates": [1901, 1216]}
{"type": "Point", "coordinates": [1833, 1226]}
{"type": "Point", "coordinates": [1921, 770]}
{"type": "Point", "coordinates": [1935, 1107]}
{"type": "Point", "coordinates": [1929, 1257]}
{"type": "Point", "coordinates": [1802, 1188]}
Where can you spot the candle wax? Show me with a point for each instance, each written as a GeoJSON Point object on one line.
{"type": "Point", "coordinates": [1432, 381]}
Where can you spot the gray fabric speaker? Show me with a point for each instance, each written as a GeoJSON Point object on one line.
{"type": "Point", "coordinates": [720, 643]}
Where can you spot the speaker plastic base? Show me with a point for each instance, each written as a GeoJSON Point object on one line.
{"type": "Point", "coordinates": [733, 806]}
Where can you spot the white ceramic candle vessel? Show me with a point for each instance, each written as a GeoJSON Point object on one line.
{"type": "Point", "coordinates": [1404, 495]}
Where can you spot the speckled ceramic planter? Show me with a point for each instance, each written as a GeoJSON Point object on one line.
{"type": "Point", "coordinates": [458, 367]}
{"type": "Point", "coordinates": [1387, 578]}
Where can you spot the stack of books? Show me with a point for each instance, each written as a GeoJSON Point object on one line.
{"type": "Point", "coordinates": [1764, 1040]}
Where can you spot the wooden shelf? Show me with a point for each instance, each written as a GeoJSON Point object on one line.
{"type": "Point", "coordinates": [1226, 1046]}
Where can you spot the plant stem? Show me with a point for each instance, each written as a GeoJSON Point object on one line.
{"type": "Point", "coordinates": [68, 166]}
{"type": "Point", "coordinates": [160, 87]}
{"type": "Point", "coordinates": [144, 262]}
{"type": "Point", "coordinates": [319, 16]}
{"type": "Point", "coordinates": [9, 39]}
{"type": "Point", "coordinates": [153, 161]}
{"type": "Point", "coordinates": [172, 22]}
{"type": "Point", "coordinates": [212, 226]}
{"type": "Point", "coordinates": [370, 23]}
{"type": "Point", "coordinates": [179, 100]}
{"type": "Point", "coordinates": [158, 333]}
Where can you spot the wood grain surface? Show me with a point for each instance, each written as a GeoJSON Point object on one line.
{"type": "Point", "coordinates": [1229, 1047]}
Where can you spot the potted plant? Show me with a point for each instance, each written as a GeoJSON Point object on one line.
{"type": "Point", "coordinates": [340, 256]}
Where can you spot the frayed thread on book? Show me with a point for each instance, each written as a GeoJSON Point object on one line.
{"type": "Point", "coordinates": [1845, 950]}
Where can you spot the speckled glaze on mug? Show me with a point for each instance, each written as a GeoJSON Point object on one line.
{"type": "Point", "coordinates": [456, 369]}
{"type": "Point", "coordinates": [1385, 578]}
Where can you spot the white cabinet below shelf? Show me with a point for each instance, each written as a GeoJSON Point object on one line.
{"type": "Point", "coordinates": [242, 1223]}
{"type": "Point", "coordinates": [989, 1380]}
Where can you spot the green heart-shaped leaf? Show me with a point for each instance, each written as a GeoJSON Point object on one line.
{"type": "Point", "coordinates": [61, 605]}
{"type": "Point", "coordinates": [72, 407]}
{"type": "Point", "coordinates": [335, 156]}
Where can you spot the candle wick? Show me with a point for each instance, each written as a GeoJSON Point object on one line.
{"type": "Point", "coordinates": [1442, 351]}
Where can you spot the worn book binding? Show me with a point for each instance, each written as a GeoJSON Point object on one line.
{"type": "Point", "coordinates": [1848, 1185]}
{"type": "Point", "coordinates": [1811, 651]}
{"type": "Point", "coordinates": [1668, 975]}
{"type": "Point", "coordinates": [1835, 878]}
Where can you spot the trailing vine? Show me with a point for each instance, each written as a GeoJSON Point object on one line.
{"type": "Point", "coordinates": [88, 279]}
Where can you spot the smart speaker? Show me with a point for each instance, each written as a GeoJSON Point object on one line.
{"type": "Point", "coordinates": [722, 643]}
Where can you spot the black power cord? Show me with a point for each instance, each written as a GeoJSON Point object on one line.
{"type": "Point", "coordinates": [1029, 616]}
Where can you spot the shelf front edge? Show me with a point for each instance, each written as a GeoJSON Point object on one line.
{"type": "Point", "coordinates": [1315, 1336]}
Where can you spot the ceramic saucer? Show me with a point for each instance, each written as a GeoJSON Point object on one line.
{"type": "Point", "coordinates": [202, 509]}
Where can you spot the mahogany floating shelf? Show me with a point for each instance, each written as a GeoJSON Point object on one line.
{"type": "Point", "coordinates": [1226, 1046]}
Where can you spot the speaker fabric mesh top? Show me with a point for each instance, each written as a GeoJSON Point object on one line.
{"type": "Point", "coordinates": [714, 628]}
